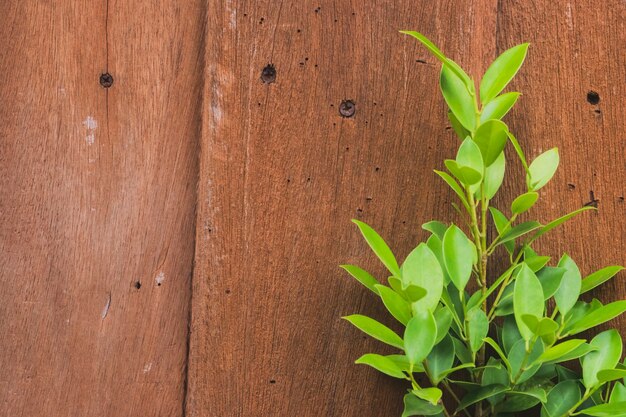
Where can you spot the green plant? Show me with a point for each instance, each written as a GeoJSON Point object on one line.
{"type": "Point", "coordinates": [500, 349]}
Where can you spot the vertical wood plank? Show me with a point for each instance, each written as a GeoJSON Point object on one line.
{"type": "Point", "coordinates": [97, 205]}
{"type": "Point", "coordinates": [282, 173]}
{"type": "Point", "coordinates": [576, 48]}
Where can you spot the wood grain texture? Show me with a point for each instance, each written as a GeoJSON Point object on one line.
{"type": "Point", "coordinates": [576, 48]}
{"type": "Point", "coordinates": [97, 194]}
{"type": "Point", "coordinates": [282, 174]}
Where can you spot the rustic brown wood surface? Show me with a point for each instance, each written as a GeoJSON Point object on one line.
{"type": "Point", "coordinates": [97, 197]}
{"type": "Point", "coordinates": [222, 135]}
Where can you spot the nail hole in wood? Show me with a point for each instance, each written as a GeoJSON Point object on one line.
{"type": "Point", "coordinates": [593, 97]}
{"type": "Point", "coordinates": [347, 108]}
{"type": "Point", "coordinates": [106, 80]}
{"type": "Point", "coordinates": [268, 75]}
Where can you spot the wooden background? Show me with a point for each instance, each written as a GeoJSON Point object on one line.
{"type": "Point", "coordinates": [169, 245]}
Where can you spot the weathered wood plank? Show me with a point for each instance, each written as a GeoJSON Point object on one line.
{"type": "Point", "coordinates": [282, 173]}
{"type": "Point", "coordinates": [97, 196]}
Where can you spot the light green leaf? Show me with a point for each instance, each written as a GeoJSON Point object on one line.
{"type": "Point", "coordinates": [494, 175]}
{"type": "Point", "coordinates": [441, 358]}
{"type": "Point", "coordinates": [518, 400]}
{"type": "Point", "coordinates": [555, 223]}
{"type": "Point", "coordinates": [455, 186]}
{"type": "Point", "coordinates": [527, 299]}
{"type": "Point", "coordinates": [618, 394]}
{"type": "Point", "coordinates": [458, 98]}
{"type": "Point", "coordinates": [432, 394]}
{"type": "Point", "coordinates": [422, 269]}
{"type": "Point", "coordinates": [376, 330]}
{"type": "Point", "coordinates": [362, 276]}
{"type": "Point", "coordinates": [607, 355]}
{"type": "Point", "coordinates": [606, 410]}
{"type": "Point", "coordinates": [461, 351]}
{"type": "Point", "coordinates": [458, 128]}
{"type": "Point", "coordinates": [554, 353]}
{"type": "Point", "coordinates": [524, 202]}
{"type": "Point", "coordinates": [477, 327]}
{"type": "Point", "coordinates": [481, 394]}
{"type": "Point", "coordinates": [382, 364]}
{"type": "Point", "coordinates": [499, 351]}
{"type": "Point", "coordinates": [403, 363]}
{"type": "Point", "coordinates": [499, 106]}
{"type": "Point", "coordinates": [542, 169]}
{"type": "Point", "coordinates": [379, 247]}
{"type": "Point", "coordinates": [443, 318]}
{"type": "Point", "coordinates": [550, 278]}
{"type": "Point", "coordinates": [501, 223]}
{"type": "Point", "coordinates": [536, 263]}
{"type": "Point", "coordinates": [399, 308]}
{"type": "Point", "coordinates": [569, 290]}
{"type": "Point", "coordinates": [561, 399]}
{"type": "Point", "coordinates": [419, 336]}
{"type": "Point", "coordinates": [519, 151]}
{"type": "Point", "coordinates": [436, 228]}
{"type": "Point", "coordinates": [599, 316]}
{"type": "Point", "coordinates": [608, 375]}
{"type": "Point", "coordinates": [519, 360]}
{"type": "Point", "coordinates": [519, 230]}
{"type": "Point", "coordinates": [414, 406]}
{"type": "Point", "coordinates": [540, 327]}
{"type": "Point", "coordinates": [501, 72]}
{"type": "Point", "coordinates": [459, 255]}
{"type": "Point", "coordinates": [469, 155]}
{"type": "Point", "coordinates": [491, 138]}
{"type": "Point", "coordinates": [427, 43]}
{"type": "Point", "coordinates": [468, 176]}
{"type": "Point", "coordinates": [599, 277]}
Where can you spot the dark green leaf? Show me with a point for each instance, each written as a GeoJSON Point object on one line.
{"type": "Point", "coordinates": [481, 394]}
{"type": "Point", "coordinates": [550, 278]}
{"type": "Point", "coordinates": [519, 360]}
{"type": "Point", "coordinates": [441, 358]}
{"type": "Point", "coordinates": [561, 399]}
{"type": "Point", "coordinates": [460, 131]}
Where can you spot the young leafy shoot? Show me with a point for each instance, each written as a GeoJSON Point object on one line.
{"type": "Point", "coordinates": [469, 343]}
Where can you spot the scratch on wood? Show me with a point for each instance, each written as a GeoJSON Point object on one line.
{"type": "Point", "coordinates": [91, 125]}
{"type": "Point", "coordinates": [159, 278]}
{"type": "Point", "coordinates": [105, 310]}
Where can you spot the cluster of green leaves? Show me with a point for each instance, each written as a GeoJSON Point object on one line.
{"type": "Point", "coordinates": [500, 348]}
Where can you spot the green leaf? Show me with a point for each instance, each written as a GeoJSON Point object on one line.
{"type": "Point", "coordinates": [499, 106]}
{"type": "Point", "coordinates": [461, 351]}
{"type": "Point", "coordinates": [494, 175]}
{"type": "Point", "coordinates": [501, 223]}
{"type": "Point", "coordinates": [443, 318]}
{"type": "Point", "coordinates": [519, 151]}
{"type": "Point", "coordinates": [399, 308]}
{"type": "Point", "coordinates": [499, 351]}
{"type": "Point", "coordinates": [481, 394]}
{"type": "Point", "coordinates": [379, 247]}
{"type": "Point", "coordinates": [403, 363]}
{"type": "Point", "coordinates": [542, 169]}
{"type": "Point", "coordinates": [468, 176]}
{"type": "Point", "coordinates": [414, 406]}
{"type": "Point", "coordinates": [524, 202]}
{"type": "Point", "coordinates": [469, 155]}
{"type": "Point", "coordinates": [362, 276]}
{"type": "Point", "coordinates": [599, 277]}
{"type": "Point", "coordinates": [520, 360]}
{"type": "Point", "coordinates": [436, 228]}
{"type": "Point", "coordinates": [510, 332]}
{"type": "Point", "coordinates": [561, 399]}
{"type": "Point", "coordinates": [519, 230]}
{"type": "Point", "coordinates": [606, 410]}
{"type": "Point", "coordinates": [550, 278]}
{"type": "Point", "coordinates": [569, 290]}
{"type": "Point", "coordinates": [435, 244]}
{"type": "Point", "coordinates": [459, 255]}
{"type": "Point", "coordinates": [458, 98]}
{"type": "Point", "coordinates": [536, 263]}
{"type": "Point", "coordinates": [441, 358]}
{"type": "Point", "coordinates": [455, 186]}
{"type": "Point", "coordinates": [527, 299]}
{"type": "Point", "coordinates": [382, 364]}
{"type": "Point", "coordinates": [608, 375]}
{"type": "Point", "coordinates": [495, 374]}
{"type": "Point", "coordinates": [458, 128]}
{"type": "Point", "coordinates": [618, 394]}
{"type": "Point", "coordinates": [432, 394]}
{"type": "Point", "coordinates": [555, 223]}
{"type": "Point", "coordinates": [491, 138]}
{"type": "Point", "coordinates": [419, 336]}
{"type": "Point", "coordinates": [422, 269]}
{"type": "Point", "coordinates": [376, 330]}
{"type": "Point", "coordinates": [554, 353]}
{"type": "Point", "coordinates": [477, 327]}
{"type": "Point", "coordinates": [523, 400]}
{"type": "Point", "coordinates": [599, 316]}
{"type": "Point", "coordinates": [607, 355]}
{"type": "Point", "coordinates": [501, 72]}
{"type": "Point", "coordinates": [540, 327]}
{"type": "Point", "coordinates": [427, 43]}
